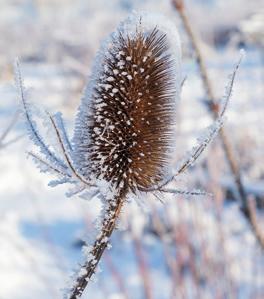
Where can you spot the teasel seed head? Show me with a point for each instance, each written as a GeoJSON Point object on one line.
{"type": "Point", "coordinates": [124, 132]}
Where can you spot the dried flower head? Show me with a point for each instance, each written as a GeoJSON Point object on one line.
{"type": "Point", "coordinates": [131, 112]}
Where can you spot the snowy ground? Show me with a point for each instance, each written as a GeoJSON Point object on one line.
{"type": "Point", "coordinates": [188, 248]}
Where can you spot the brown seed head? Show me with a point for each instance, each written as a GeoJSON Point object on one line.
{"type": "Point", "coordinates": [132, 112]}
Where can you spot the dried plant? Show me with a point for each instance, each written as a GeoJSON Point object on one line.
{"type": "Point", "coordinates": [124, 133]}
{"type": "Point", "coordinates": [214, 108]}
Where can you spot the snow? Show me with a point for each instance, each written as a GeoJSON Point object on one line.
{"type": "Point", "coordinates": [40, 228]}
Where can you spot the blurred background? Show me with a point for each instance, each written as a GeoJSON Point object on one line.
{"type": "Point", "coordinates": [186, 248]}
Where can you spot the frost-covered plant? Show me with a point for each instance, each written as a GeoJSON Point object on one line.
{"type": "Point", "coordinates": [124, 138]}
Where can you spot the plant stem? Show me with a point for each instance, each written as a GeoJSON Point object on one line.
{"type": "Point", "coordinates": [108, 225]}
{"type": "Point", "coordinates": [214, 109]}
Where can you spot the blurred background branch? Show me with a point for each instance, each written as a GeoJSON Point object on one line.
{"type": "Point", "coordinates": [213, 105]}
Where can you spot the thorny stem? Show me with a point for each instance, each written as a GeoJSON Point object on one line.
{"type": "Point", "coordinates": [214, 109]}
{"type": "Point", "coordinates": [108, 225]}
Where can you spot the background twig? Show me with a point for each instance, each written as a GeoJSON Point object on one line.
{"type": "Point", "coordinates": [214, 109]}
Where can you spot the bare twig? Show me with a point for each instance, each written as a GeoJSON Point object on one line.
{"type": "Point", "coordinates": [214, 109]}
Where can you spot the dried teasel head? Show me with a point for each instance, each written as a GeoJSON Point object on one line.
{"type": "Point", "coordinates": [124, 132]}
